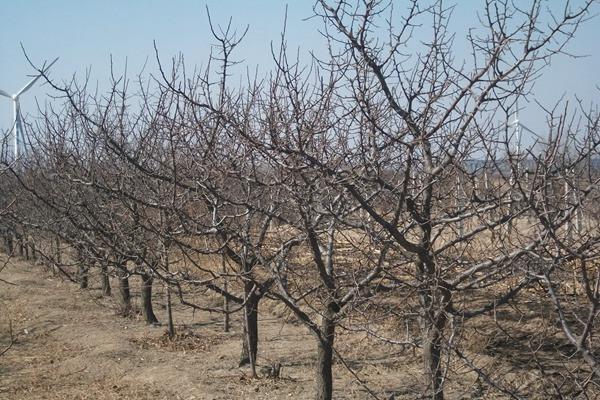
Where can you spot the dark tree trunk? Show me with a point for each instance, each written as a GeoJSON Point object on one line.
{"type": "Point", "coordinates": [25, 245]}
{"type": "Point", "coordinates": [432, 355]}
{"type": "Point", "coordinates": [57, 254]}
{"type": "Point", "coordinates": [250, 340]}
{"type": "Point", "coordinates": [250, 343]}
{"type": "Point", "coordinates": [20, 245]}
{"type": "Point", "coordinates": [82, 267]}
{"type": "Point", "coordinates": [164, 261]}
{"type": "Point", "coordinates": [225, 298]}
{"type": "Point", "coordinates": [32, 249]}
{"type": "Point", "coordinates": [433, 322]}
{"type": "Point", "coordinates": [324, 378]}
{"type": "Point", "coordinates": [170, 325]}
{"type": "Point", "coordinates": [105, 278]}
{"type": "Point", "coordinates": [8, 239]}
{"type": "Point", "coordinates": [83, 275]}
{"type": "Point", "coordinates": [124, 290]}
{"type": "Point", "coordinates": [54, 257]}
{"type": "Point", "coordinates": [147, 310]}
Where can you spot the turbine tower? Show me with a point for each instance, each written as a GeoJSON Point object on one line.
{"type": "Point", "coordinates": [521, 164]}
{"type": "Point", "coordinates": [18, 118]}
{"type": "Point", "coordinates": [519, 128]}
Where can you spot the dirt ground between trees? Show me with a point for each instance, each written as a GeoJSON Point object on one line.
{"type": "Point", "coordinates": [72, 344]}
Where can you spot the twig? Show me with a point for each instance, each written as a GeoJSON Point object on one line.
{"type": "Point", "coordinates": [485, 376]}
{"type": "Point", "coordinates": [13, 340]}
{"type": "Point", "coordinates": [362, 383]}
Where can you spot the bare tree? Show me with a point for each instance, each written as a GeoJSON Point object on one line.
{"type": "Point", "coordinates": [414, 121]}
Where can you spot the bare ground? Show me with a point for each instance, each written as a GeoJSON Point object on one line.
{"type": "Point", "coordinates": [72, 344]}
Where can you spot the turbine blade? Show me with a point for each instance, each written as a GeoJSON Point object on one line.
{"type": "Point", "coordinates": [3, 93]}
{"type": "Point", "coordinates": [528, 130]}
{"type": "Point", "coordinates": [28, 86]}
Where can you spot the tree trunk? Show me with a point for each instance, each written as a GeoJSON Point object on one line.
{"type": "Point", "coordinates": [147, 310]}
{"type": "Point", "coordinates": [432, 355]}
{"type": "Point", "coordinates": [20, 245]}
{"type": "Point", "coordinates": [105, 278]}
{"type": "Point", "coordinates": [324, 378]}
{"type": "Point", "coordinates": [225, 298]}
{"type": "Point", "coordinates": [83, 275]}
{"type": "Point", "coordinates": [25, 240]}
{"type": "Point", "coordinates": [124, 290]}
{"type": "Point", "coordinates": [170, 325]}
{"type": "Point", "coordinates": [433, 321]}
{"type": "Point", "coordinates": [8, 239]}
{"type": "Point", "coordinates": [82, 267]}
{"type": "Point", "coordinates": [54, 259]}
{"type": "Point", "coordinates": [32, 249]}
{"type": "Point", "coordinates": [250, 342]}
{"type": "Point", "coordinates": [164, 261]}
{"type": "Point", "coordinates": [57, 254]}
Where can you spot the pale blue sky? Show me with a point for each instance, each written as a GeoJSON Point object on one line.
{"type": "Point", "coordinates": [86, 33]}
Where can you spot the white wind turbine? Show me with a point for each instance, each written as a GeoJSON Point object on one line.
{"type": "Point", "coordinates": [519, 128]}
{"type": "Point", "coordinates": [18, 118]}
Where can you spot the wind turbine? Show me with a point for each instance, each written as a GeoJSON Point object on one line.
{"type": "Point", "coordinates": [18, 118]}
{"type": "Point", "coordinates": [519, 128]}
{"type": "Point", "coordinates": [516, 174]}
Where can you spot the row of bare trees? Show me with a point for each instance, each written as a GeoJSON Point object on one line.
{"type": "Point", "coordinates": [381, 183]}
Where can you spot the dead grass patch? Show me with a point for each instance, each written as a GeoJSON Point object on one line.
{"type": "Point", "coordinates": [183, 340]}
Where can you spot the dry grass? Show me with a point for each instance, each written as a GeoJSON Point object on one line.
{"type": "Point", "coordinates": [183, 340]}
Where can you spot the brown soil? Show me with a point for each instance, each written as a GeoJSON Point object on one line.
{"type": "Point", "coordinates": [72, 344]}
